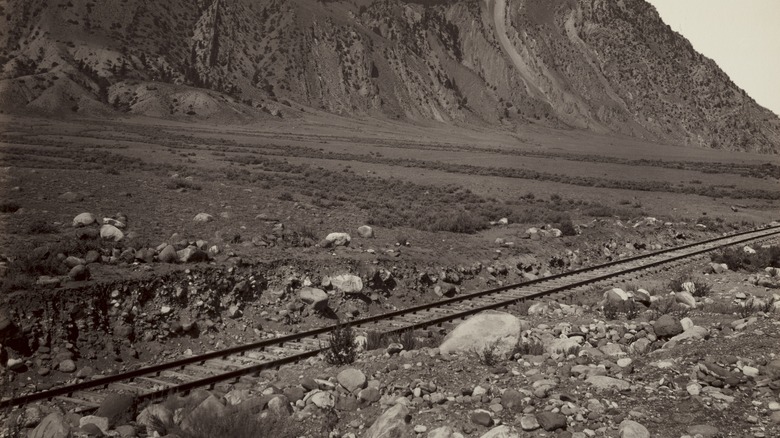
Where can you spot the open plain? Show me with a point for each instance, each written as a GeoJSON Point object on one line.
{"type": "Point", "coordinates": [248, 211]}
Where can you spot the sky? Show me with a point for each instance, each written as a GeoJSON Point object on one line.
{"type": "Point", "coordinates": [741, 36]}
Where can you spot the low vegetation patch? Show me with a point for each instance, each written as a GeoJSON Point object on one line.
{"type": "Point", "coordinates": [738, 260]}
{"type": "Point", "coordinates": [341, 349]}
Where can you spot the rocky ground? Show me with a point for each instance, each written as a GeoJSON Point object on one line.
{"type": "Point", "coordinates": [703, 361]}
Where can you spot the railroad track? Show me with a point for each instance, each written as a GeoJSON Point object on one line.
{"type": "Point", "coordinates": [241, 362]}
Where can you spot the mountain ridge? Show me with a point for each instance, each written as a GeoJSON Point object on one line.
{"type": "Point", "coordinates": [603, 66]}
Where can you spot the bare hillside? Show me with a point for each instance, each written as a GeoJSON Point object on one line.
{"type": "Point", "coordinates": [604, 66]}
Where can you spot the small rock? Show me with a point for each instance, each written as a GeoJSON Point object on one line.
{"type": "Point", "coordinates": [551, 421]}
{"type": "Point", "coordinates": [352, 379]}
{"type": "Point", "coordinates": [366, 232]}
{"type": "Point", "coordinates": [83, 220]}
{"type": "Point", "coordinates": [67, 366]}
{"type": "Point", "coordinates": [481, 417]}
{"type": "Point", "coordinates": [529, 423]}
{"type": "Point", "coordinates": [705, 430]}
{"type": "Point", "coordinates": [110, 232]}
{"type": "Point", "coordinates": [632, 429]}
{"type": "Point", "coordinates": [203, 218]}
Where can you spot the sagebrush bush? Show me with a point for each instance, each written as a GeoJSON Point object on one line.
{"type": "Point", "coordinates": [341, 349]}
{"type": "Point", "coordinates": [738, 260]}
{"type": "Point", "coordinates": [528, 347]}
{"type": "Point", "coordinates": [489, 355]}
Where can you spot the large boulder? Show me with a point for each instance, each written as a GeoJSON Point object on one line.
{"type": "Point", "coordinates": [336, 239]}
{"type": "Point", "coordinates": [347, 283]}
{"type": "Point", "coordinates": [316, 298]}
{"type": "Point", "coordinates": [209, 408]}
{"type": "Point", "coordinates": [52, 426]}
{"type": "Point", "coordinates": [483, 330]}
{"type": "Point", "coordinates": [83, 220]}
{"type": "Point", "coordinates": [110, 232]}
{"type": "Point", "coordinates": [667, 326]}
{"type": "Point", "coordinates": [393, 423]}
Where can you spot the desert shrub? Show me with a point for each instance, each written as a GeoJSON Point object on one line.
{"type": "Point", "coordinates": [40, 227]}
{"type": "Point", "coordinates": [9, 207]}
{"type": "Point", "coordinates": [408, 340]}
{"type": "Point", "coordinates": [182, 183]}
{"type": "Point", "coordinates": [286, 196]}
{"type": "Point", "coordinates": [461, 222]}
{"type": "Point", "coordinates": [306, 232]}
{"type": "Point", "coordinates": [236, 423]}
{"type": "Point", "coordinates": [567, 227]}
{"type": "Point", "coordinates": [610, 311]}
{"type": "Point", "coordinates": [701, 288]}
{"type": "Point", "coordinates": [738, 260]}
{"type": "Point", "coordinates": [574, 350]}
{"type": "Point", "coordinates": [341, 349]}
{"type": "Point", "coordinates": [489, 356]}
{"type": "Point", "coordinates": [614, 310]}
{"type": "Point", "coordinates": [675, 284]}
{"type": "Point", "coordinates": [528, 348]}
{"type": "Point", "coordinates": [375, 340]}
{"type": "Point", "coordinates": [664, 306]}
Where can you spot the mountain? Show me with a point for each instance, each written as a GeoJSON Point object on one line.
{"type": "Point", "coordinates": [600, 65]}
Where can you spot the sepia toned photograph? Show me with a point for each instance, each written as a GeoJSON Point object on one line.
{"type": "Point", "coordinates": [389, 218]}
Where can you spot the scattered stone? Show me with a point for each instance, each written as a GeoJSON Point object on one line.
{"type": "Point", "coordinates": [365, 232]}
{"type": "Point", "coordinates": [192, 254]}
{"type": "Point", "coordinates": [79, 273]}
{"type": "Point", "coordinates": [703, 430]}
{"type": "Point", "coordinates": [168, 255]}
{"type": "Point", "coordinates": [352, 379]}
{"type": "Point", "coordinates": [551, 421]}
{"type": "Point", "coordinates": [110, 232]}
{"type": "Point", "coordinates": [605, 382]}
{"type": "Point", "coordinates": [316, 298]}
{"type": "Point", "coordinates": [632, 429]}
{"type": "Point", "coordinates": [615, 295]}
{"type": "Point", "coordinates": [667, 326]}
{"type": "Point", "coordinates": [100, 422]}
{"type": "Point", "coordinates": [203, 218]}
{"type": "Point", "coordinates": [347, 283]}
{"type": "Point", "coordinates": [529, 423]}
{"type": "Point", "coordinates": [686, 298]}
{"type": "Point", "coordinates": [83, 220]}
{"type": "Point", "coordinates": [52, 426]}
{"type": "Point", "coordinates": [67, 366]}
{"type": "Point", "coordinates": [481, 417]}
{"type": "Point", "coordinates": [482, 330]}
{"type": "Point", "coordinates": [336, 239]}
{"type": "Point", "coordinates": [392, 423]}
{"type": "Point", "coordinates": [500, 432]}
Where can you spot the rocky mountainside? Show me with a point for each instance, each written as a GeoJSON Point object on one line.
{"type": "Point", "coordinates": [606, 66]}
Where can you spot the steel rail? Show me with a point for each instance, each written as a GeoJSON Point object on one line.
{"type": "Point", "coordinates": [280, 341]}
